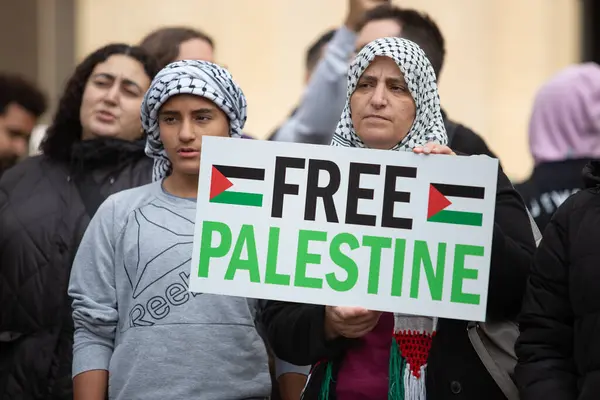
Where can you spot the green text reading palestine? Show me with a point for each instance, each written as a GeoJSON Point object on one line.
{"type": "Point", "coordinates": [428, 261]}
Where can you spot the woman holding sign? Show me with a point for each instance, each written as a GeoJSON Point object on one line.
{"type": "Point", "coordinates": [393, 104]}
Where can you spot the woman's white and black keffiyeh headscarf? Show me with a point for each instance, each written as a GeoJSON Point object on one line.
{"type": "Point", "coordinates": [200, 78]}
{"type": "Point", "coordinates": [419, 75]}
{"type": "Point", "coordinates": [412, 336]}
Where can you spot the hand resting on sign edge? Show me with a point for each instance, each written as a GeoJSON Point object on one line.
{"type": "Point", "coordinates": [434, 148]}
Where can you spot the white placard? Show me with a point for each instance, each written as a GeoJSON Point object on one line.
{"type": "Point", "coordinates": [385, 230]}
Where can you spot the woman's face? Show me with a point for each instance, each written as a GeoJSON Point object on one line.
{"type": "Point", "coordinates": [112, 99]}
{"type": "Point", "coordinates": [382, 107]}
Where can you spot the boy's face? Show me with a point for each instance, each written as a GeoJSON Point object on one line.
{"type": "Point", "coordinates": [183, 120]}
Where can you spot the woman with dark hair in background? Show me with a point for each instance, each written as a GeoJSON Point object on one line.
{"type": "Point", "coordinates": [93, 148]}
{"type": "Point", "coordinates": [178, 43]}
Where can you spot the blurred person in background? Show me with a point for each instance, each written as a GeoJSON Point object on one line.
{"type": "Point", "coordinates": [313, 55]}
{"type": "Point", "coordinates": [315, 52]}
{"type": "Point", "coordinates": [21, 104]}
{"type": "Point", "coordinates": [564, 134]}
{"type": "Point", "coordinates": [178, 43]}
{"type": "Point", "coordinates": [316, 118]}
{"type": "Point", "coordinates": [94, 147]}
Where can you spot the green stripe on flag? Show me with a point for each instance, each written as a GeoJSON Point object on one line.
{"type": "Point", "coordinates": [239, 198]}
{"type": "Point", "coordinates": [458, 218]}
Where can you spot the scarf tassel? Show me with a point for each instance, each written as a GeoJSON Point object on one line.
{"type": "Point", "coordinates": [397, 372]}
{"type": "Point", "coordinates": [326, 385]}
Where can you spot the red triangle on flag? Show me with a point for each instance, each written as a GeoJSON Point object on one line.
{"type": "Point", "coordinates": [218, 183]}
{"type": "Point", "coordinates": [437, 202]}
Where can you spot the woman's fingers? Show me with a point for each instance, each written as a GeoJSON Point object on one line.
{"type": "Point", "coordinates": [433, 148]}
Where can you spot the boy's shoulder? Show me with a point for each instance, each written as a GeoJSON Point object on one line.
{"type": "Point", "coordinates": [129, 200]}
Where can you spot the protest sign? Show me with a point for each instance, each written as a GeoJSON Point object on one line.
{"type": "Point", "coordinates": [385, 230]}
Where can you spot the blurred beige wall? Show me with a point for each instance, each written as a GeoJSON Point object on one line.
{"type": "Point", "coordinates": [499, 52]}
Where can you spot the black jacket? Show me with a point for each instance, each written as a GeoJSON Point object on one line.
{"type": "Point", "coordinates": [464, 140]}
{"type": "Point", "coordinates": [296, 331]}
{"type": "Point", "coordinates": [42, 220]}
{"type": "Point", "coordinates": [549, 185]}
{"type": "Point", "coordinates": [559, 346]}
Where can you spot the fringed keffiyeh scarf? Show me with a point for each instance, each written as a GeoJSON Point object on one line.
{"type": "Point", "coordinates": [200, 78]}
{"type": "Point", "coordinates": [412, 336]}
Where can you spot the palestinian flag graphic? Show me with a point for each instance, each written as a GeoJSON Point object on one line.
{"type": "Point", "coordinates": [220, 183]}
{"type": "Point", "coordinates": [439, 202]}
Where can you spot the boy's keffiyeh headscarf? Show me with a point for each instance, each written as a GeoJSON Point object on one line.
{"type": "Point", "coordinates": [200, 78]}
{"type": "Point", "coordinates": [413, 335]}
{"type": "Point", "coordinates": [419, 75]}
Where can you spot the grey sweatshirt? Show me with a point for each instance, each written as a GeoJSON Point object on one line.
{"type": "Point", "coordinates": [134, 316]}
{"type": "Point", "coordinates": [325, 95]}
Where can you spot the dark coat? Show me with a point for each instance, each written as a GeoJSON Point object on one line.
{"type": "Point", "coordinates": [559, 346]}
{"type": "Point", "coordinates": [42, 220]}
{"type": "Point", "coordinates": [464, 140]}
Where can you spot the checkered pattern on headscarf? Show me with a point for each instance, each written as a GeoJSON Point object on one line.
{"type": "Point", "coordinates": [200, 78]}
{"type": "Point", "coordinates": [428, 125]}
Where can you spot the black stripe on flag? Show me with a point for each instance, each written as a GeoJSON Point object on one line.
{"type": "Point", "coordinates": [229, 171]}
{"type": "Point", "coordinates": [470, 192]}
